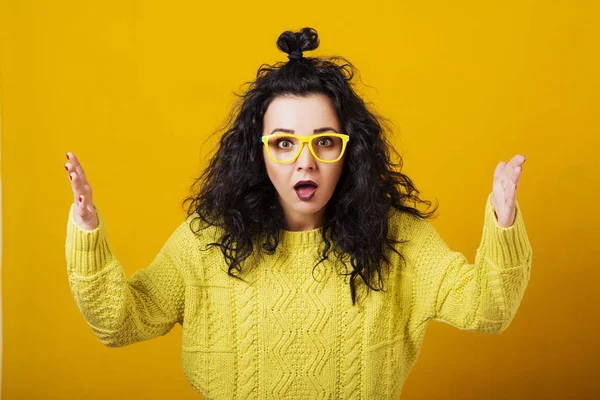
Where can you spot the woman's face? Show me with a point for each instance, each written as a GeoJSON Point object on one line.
{"type": "Point", "coordinates": [303, 207]}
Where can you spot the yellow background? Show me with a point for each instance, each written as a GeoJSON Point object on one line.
{"type": "Point", "coordinates": [134, 88]}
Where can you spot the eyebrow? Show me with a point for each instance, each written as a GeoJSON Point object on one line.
{"type": "Point", "coordinates": [320, 130]}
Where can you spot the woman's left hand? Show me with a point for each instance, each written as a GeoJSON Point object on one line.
{"type": "Point", "coordinates": [504, 193]}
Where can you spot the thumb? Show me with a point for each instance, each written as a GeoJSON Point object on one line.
{"type": "Point", "coordinates": [499, 169]}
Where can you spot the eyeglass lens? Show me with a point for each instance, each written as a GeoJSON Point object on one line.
{"type": "Point", "coordinates": [285, 148]}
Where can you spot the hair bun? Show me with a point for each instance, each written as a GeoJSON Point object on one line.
{"type": "Point", "coordinates": [295, 43]}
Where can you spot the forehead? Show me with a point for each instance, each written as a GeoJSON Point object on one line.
{"type": "Point", "coordinates": [302, 114]}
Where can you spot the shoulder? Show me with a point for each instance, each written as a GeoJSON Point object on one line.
{"type": "Point", "coordinates": [190, 241]}
{"type": "Point", "coordinates": [196, 229]}
{"type": "Point", "coordinates": [403, 225]}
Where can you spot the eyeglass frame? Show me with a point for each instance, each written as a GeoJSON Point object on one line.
{"type": "Point", "coordinates": [305, 139]}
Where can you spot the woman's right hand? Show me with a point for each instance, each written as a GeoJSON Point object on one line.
{"type": "Point", "coordinates": [84, 212]}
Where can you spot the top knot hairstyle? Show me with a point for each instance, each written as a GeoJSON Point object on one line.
{"type": "Point", "coordinates": [235, 193]}
{"type": "Point", "coordinates": [295, 44]}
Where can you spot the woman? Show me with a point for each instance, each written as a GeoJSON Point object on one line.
{"type": "Point", "coordinates": [293, 224]}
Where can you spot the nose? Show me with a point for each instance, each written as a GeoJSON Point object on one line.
{"type": "Point", "coordinates": [305, 159]}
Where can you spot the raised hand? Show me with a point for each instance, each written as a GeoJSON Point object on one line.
{"type": "Point", "coordinates": [504, 193]}
{"type": "Point", "coordinates": [84, 212]}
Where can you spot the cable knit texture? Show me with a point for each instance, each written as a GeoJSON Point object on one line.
{"type": "Point", "coordinates": [289, 331]}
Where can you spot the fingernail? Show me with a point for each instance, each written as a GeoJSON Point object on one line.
{"type": "Point", "coordinates": [80, 199]}
{"type": "Point", "coordinates": [67, 154]}
{"type": "Point", "coordinates": [67, 168]}
{"type": "Point", "coordinates": [70, 177]}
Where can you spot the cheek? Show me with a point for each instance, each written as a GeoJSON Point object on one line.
{"type": "Point", "coordinates": [334, 174]}
{"type": "Point", "coordinates": [269, 167]}
{"type": "Point", "coordinates": [276, 174]}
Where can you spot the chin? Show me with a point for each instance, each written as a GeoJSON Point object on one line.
{"type": "Point", "coordinates": [311, 206]}
{"type": "Point", "coordinates": [306, 205]}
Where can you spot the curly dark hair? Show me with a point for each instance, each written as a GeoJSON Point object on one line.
{"type": "Point", "coordinates": [234, 192]}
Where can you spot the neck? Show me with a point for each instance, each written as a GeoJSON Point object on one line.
{"type": "Point", "coordinates": [304, 222]}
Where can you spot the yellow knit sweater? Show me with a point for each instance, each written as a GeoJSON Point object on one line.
{"type": "Point", "coordinates": [289, 331]}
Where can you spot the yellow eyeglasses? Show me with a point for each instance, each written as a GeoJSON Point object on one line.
{"type": "Point", "coordinates": [284, 148]}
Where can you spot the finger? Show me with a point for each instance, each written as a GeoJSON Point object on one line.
{"type": "Point", "coordinates": [79, 183]}
{"type": "Point", "coordinates": [510, 195]}
{"type": "Point", "coordinates": [505, 186]}
{"type": "Point", "coordinates": [76, 165]}
{"type": "Point", "coordinates": [499, 169]}
{"type": "Point", "coordinates": [504, 172]}
{"type": "Point", "coordinates": [79, 187]}
{"type": "Point", "coordinates": [507, 191]}
{"type": "Point", "coordinates": [84, 206]}
{"type": "Point", "coordinates": [511, 173]}
{"type": "Point", "coordinates": [512, 189]}
{"type": "Point", "coordinates": [78, 180]}
{"type": "Point", "coordinates": [517, 161]}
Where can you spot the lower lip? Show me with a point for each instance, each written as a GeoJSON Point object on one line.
{"type": "Point", "coordinates": [306, 198]}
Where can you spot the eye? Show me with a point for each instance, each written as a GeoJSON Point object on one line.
{"type": "Point", "coordinates": [284, 144]}
{"type": "Point", "coordinates": [324, 141]}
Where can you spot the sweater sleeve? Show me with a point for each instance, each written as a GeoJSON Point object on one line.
{"type": "Point", "coordinates": [122, 311]}
{"type": "Point", "coordinates": [484, 296]}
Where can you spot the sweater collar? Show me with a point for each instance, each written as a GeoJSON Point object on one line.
{"type": "Point", "coordinates": [294, 238]}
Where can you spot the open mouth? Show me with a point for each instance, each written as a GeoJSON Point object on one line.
{"type": "Point", "coordinates": [305, 190]}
